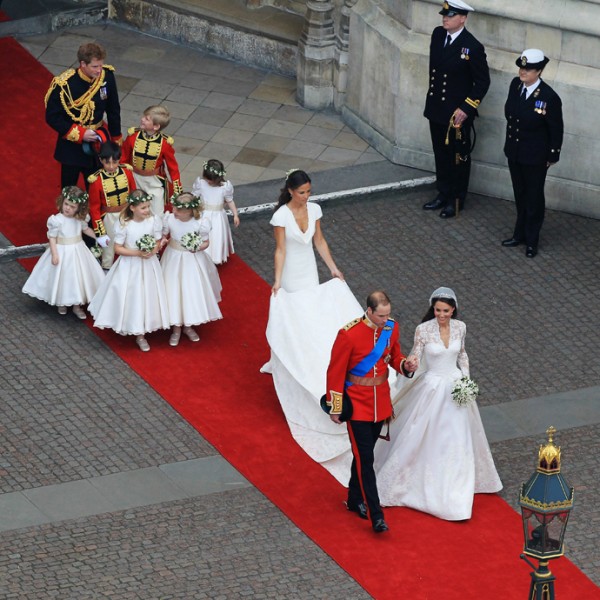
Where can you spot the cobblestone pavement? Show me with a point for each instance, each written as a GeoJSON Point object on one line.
{"type": "Point", "coordinates": [70, 409]}
{"type": "Point", "coordinates": [230, 545]}
{"type": "Point", "coordinates": [526, 319]}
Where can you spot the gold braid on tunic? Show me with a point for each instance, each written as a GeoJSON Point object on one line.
{"type": "Point", "coordinates": [80, 110]}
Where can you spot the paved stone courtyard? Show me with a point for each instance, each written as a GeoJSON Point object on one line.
{"type": "Point", "coordinates": [72, 411]}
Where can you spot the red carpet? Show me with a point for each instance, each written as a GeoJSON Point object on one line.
{"type": "Point", "coordinates": [217, 388]}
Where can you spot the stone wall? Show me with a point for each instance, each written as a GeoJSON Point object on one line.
{"type": "Point", "coordinates": [387, 77]}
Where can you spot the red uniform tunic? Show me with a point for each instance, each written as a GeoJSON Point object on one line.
{"type": "Point", "coordinates": [108, 193]}
{"type": "Point", "coordinates": [353, 343]}
{"type": "Point", "coordinates": [149, 154]}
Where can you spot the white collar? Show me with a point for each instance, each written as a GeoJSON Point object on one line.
{"type": "Point", "coordinates": [533, 87]}
{"type": "Point", "coordinates": [454, 35]}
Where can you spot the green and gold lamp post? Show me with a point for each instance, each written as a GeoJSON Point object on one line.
{"type": "Point", "coordinates": [546, 501]}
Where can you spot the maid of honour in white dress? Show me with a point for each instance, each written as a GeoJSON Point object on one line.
{"type": "Point", "coordinates": [304, 318]}
{"type": "Point", "coordinates": [132, 299]}
{"type": "Point", "coordinates": [438, 456]}
{"type": "Point", "coordinates": [191, 279]}
{"type": "Point", "coordinates": [67, 274]}
{"type": "Point", "coordinates": [215, 192]}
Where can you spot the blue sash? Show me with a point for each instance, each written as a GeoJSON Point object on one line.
{"type": "Point", "coordinates": [369, 361]}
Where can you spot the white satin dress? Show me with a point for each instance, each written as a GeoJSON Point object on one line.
{"type": "Point", "coordinates": [214, 198]}
{"type": "Point", "coordinates": [438, 456]}
{"type": "Point", "coordinates": [76, 277]}
{"type": "Point", "coordinates": [132, 299]}
{"type": "Point", "coordinates": [191, 279]}
{"type": "Point", "coordinates": [304, 318]}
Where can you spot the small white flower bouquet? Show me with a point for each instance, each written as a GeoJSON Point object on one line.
{"type": "Point", "coordinates": [191, 241]}
{"type": "Point", "coordinates": [465, 391]}
{"type": "Point", "coordinates": [96, 251]}
{"type": "Point", "coordinates": [146, 243]}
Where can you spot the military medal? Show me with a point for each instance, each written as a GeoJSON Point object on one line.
{"type": "Point", "coordinates": [464, 53]}
{"type": "Point", "coordinates": [103, 93]}
{"type": "Point", "coordinates": [540, 107]}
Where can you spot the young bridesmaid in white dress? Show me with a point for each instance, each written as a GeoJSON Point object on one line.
{"type": "Point", "coordinates": [132, 300]}
{"type": "Point", "coordinates": [191, 278]}
{"type": "Point", "coordinates": [438, 456]}
{"type": "Point", "coordinates": [216, 193]}
{"type": "Point", "coordinates": [67, 274]}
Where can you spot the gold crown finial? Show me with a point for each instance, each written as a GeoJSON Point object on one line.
{"type": "Point", "coordinates": [549, 454]}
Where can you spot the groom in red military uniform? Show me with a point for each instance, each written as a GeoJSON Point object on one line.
{"type": "Point", "coordinates": [360, 357]}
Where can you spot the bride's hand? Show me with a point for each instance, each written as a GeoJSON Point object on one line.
{"type": "Point", "coordinates": [412, 363]}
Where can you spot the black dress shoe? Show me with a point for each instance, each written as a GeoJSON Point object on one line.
{"type": "Point", "coordinates": [448, 212]}
{"type": "Point", "coordinates": [380, 526]}
{"type": "Point", "coordinates": [511, 243]}
{"type": "Point", "coordinates": [435, 204]}
{"type": "Point", "coordinates": [530, 251]}
{"type": "Point", "coordinates": [360, 509]}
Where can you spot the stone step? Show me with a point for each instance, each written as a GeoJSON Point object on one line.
{"type": "Point", "coordinates": [42, 16]}
{"type": "Point", "coordinates": [265, 37]}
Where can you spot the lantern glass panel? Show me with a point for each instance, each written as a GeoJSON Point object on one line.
{"type": "Point", "coordinates": [544, 531]}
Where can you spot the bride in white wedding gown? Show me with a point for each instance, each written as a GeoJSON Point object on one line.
{"type": "Point", "coordinates": [304, 318]}
{"type": "Point", "coordinates": [438, 456]}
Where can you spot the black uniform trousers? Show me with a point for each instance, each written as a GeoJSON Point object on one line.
{"type": "Point", "coordinates": [363, 485]}
{"type": "Point", "coordinates": [528, 186]}
{"type": "Point", "coordinates": [69, 174]}
{"type": "Point", "coordinates": [452, 179]}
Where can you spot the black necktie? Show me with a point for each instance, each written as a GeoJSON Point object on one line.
{"type": "Point", "coordinates": [448, 41]}
{"type": "Point", "coordinates": [523, 94]}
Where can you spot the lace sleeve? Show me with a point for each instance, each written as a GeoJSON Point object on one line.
{"type": "Point", "coordinates": [419, 343]}
{"type": "Point", "coordinates": [463, 359]}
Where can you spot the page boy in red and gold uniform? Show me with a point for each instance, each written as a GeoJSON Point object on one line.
{"type": "Point", "coordinates": [109, 188]}
{"type": "Point", "coordinates": [151, 154]}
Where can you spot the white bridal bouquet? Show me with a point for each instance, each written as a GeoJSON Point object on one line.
{"type": "Point", "coordinates": [96, 251]}
{"type": "Point", "coordinates": [465, 391]}
{"type": "Point", "coordinates": [146, 243]}
{"type": "Point", "coordinates": [191, 241]}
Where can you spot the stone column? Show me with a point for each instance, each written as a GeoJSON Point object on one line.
{"type": "Point", "coordinates": [316, 50]}
{"type": "Point", "coordinates": [340, 66]}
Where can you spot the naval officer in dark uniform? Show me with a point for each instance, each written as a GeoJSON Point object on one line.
{"type": "Point", "coordinates": [459, 78]}
{"type": "Point", "coordinates": [76, 104]}
{"type": "Point", "coordinates": [534, 135]}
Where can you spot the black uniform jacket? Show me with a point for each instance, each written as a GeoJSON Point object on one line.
{"type": "Point", "coordinates": [459, 76]}
{"type": "Point", "coordinates": [534, 127]}
{"type": "Point", "coordinates": [69, 149]}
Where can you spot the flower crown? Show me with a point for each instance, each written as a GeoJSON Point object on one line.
{"type": "Point", "coordinates": [213, 170]}
{"type": "Point", "coordinates": [193, 202]}
{"type": "Point", "coordinates": [80, 198]}
{"type": "Point", "coordinates": [137, 197]}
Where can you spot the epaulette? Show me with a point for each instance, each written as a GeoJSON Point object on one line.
{"type": "Point", "coordinates": [58, 81]}
{"type": "Point", "coordinates": [64, 76]}
{"type": "Point", "coordinates": [109, 67]}
{"type": "Point", "coordinates": [94, 176]}
{"type": "Point", "coordinates": [132, 130]}
{"type": "Point", "coordinates": [168, 139]}
{"type": "Point", "coordinates": [126, 166]}
{"type": "Point", "coordinates": [352, 323]}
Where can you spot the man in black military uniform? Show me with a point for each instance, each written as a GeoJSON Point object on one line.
{"type": "Point", "coordinates": [76, 103]}
{"type": "Point", "coordinates": [459, 78]}
{"type": "Point", "coordinates": [534, 136]}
